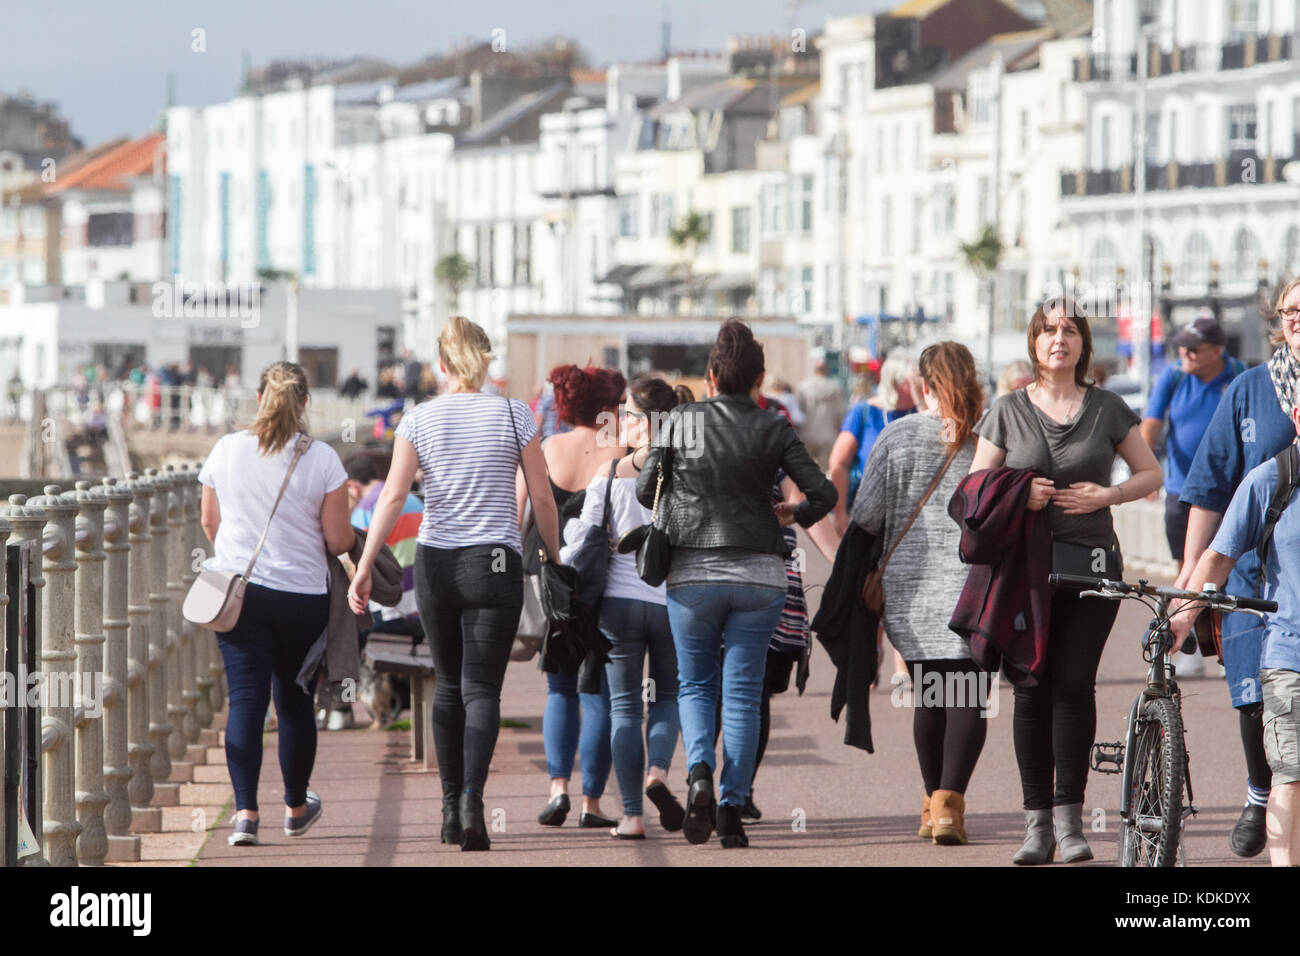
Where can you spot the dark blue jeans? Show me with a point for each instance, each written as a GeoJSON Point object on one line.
{"type": "Point", "coordinates": [263, 653]}
{"type": "Point", "coordinates": [638, 629]}
{"type": "Point", "coordinates": [469, 600]}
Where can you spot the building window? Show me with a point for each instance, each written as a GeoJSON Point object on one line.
{"type": "Point", "coordinates": [982, 197]}
{"type": "Point", "coordinates": [740, 229]}
{"type": "Point", "coordinates": [1245, 256]}
{"type": "Point", "coordinates": [1241, 126]}
{"type": "Point", "coordinates": [1024, 131]}
{"type": "Point", "coordinates": [110, 229]}
{"type": "Point", "coordinates": [706, 225]}
{"type": "Point", "coordinates": [661, 214]}
{"type": "Point", "coordinates": [945, 209]}
{"type": "Point", "coordinates": [1243, 21]}
{"type": "Point", "coordinates": [628, 209]}
{"type": "Point", "coordinates": [918, 210]}
{"type": "Point", "coordinates": [1291, 252]}
{"type": "Point", "coordinates": [483, 256]}
{"type": "Point", "coordinates": [1153, 139]}
{"type": "Point", "coordinates": [886, 210]}
{"type": "Point", "coordinates": [1194, 268]}
{"type": "Point", "coordinates": [1104, 146]}
{"type": "Point", "coordinates": [803, 303]}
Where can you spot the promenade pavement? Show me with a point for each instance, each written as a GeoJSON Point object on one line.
{"type": "Point", "coordinates": [823, 803]}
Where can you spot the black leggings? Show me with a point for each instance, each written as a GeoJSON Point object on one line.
{"type": "Point", "coordinates": [1251, 722]}
{"type": "Point", "coordinates": [949, 738]}
{"type": "Point", "coordinates": [1055, 723]}
{"type": "Point", "coordinates": [469, 600]}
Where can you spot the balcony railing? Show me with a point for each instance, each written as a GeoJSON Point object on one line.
{"type": "Point", "coordinates": [1239, 167]}
{"type": "Point", "coordinates": [1103, 67]}
{"type": "Point", "coordinates": [1248, 52]}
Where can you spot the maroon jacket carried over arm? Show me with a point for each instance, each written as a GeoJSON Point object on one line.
{"type": "Point", "coordinates": [1005, 608]}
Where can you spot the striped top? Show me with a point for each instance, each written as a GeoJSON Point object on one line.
{"type": "Point", "coordinates": [467, 451]}
{"type": "Point", "coordinates": [401, 541]}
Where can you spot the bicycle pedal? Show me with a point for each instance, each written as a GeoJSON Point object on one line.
{"type": "Point", "coordinates": [1108, 757]}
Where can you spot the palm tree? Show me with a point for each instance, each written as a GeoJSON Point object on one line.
{"type": "Point", "coordinates": [982, 257]}
{"type": "Point", "coordinates": [452, 272]}
{"type": "Point", "coordinates": [687, 236]}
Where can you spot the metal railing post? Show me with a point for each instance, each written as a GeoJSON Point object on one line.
{"type": "Point", "coordinates": [195, 552]}
{"type": "Point", "coordinates": [58, 665]}
{"type": "Point", "coordinates": [185, 722]}
{"type": "Point", "coordinates": [92, 844]}
{"type": "Point", "coordinates": [159, 729]}
{"type": "Point", "coordinates": [139, 573]}
{"type": "Point", "coordinates": [121, 846]}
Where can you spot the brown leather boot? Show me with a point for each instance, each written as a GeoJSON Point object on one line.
{"type": "Point", "coordinates": [947, 811]}
{"type": "Point", "coordinates": [925, 832]}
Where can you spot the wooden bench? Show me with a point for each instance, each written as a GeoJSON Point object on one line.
{"type": "Point", "coordinates": [393, 654]}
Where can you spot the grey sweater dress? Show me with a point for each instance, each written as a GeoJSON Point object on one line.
{"type": "Point", "coordinates": [925, 575]}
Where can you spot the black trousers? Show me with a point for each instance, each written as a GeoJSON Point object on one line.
{"type": "Point", "coordinates": [469, 600]}
{"type": "Point", "coordinates": [1176, 525]}
{"type": "Point", "coordinates": [950, 737]}
{"type": "Point", "coordinates": [1055, 723]}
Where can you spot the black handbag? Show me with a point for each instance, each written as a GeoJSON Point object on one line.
{"type": "Point", "coordinates": [571, 635]}
{"type": "Point", "coordinates": [591, 559]}
{"type": "Point", "coordinates": [654, 556]}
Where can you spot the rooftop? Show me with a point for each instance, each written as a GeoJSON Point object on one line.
{"type": "Point", "coordinates": [114, 168]}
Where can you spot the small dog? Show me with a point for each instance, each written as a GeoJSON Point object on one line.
{"type": "Point", "coordinates": [381, 695]}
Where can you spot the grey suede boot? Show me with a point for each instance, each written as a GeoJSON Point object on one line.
{"type": "Point", "coordinates": [1039, 842]}
{"type": "Point", "coordinates": [1067, 823]}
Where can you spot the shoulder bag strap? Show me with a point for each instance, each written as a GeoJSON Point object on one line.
{"type": "Point", "coordinates": [606, 523]}
{"type": "Point", "coordinates": [665, 468]}
{"type": "Point", "coordinates": [919, 505]}
{"type": "Point", "coordinates": [510, 414]}
{"type": "Point", "coordinates": [304, 441]}
{"type": "Point", "coordinates": [1287, 478]}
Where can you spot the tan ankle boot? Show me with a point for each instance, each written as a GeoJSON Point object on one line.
{"type": "Point", "coordinates": [947, 811]}
{"type": "Point", "coordinates": [925, 832]}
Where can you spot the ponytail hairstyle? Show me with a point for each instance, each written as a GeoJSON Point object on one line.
{"type": "Point", "coordinates": [653, 394]}
{"type": "Point", "coordinates": [736, 360]}
{"type": "Point", "coordinates": [948, 369]}
{"type": "Point", "coordinates": [281, 407]}
{"type": "Point", "coordinates": [465, 351]}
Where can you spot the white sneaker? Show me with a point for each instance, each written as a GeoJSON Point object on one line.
{"type": "Point", "coordinates": [321, 716]}
{"type": "Point", "coordinates": [340, 720]}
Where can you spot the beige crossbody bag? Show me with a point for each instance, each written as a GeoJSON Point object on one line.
{"type": "Point", "coordinates": [216, 598]}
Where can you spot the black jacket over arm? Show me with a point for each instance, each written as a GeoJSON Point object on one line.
{"type": "Point", "coordinates": [726, 452]}
{"type": "Point", "coordinates": [847, 629]}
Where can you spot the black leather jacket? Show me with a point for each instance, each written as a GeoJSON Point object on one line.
{"type": "Point", "coordinates": [718, 491]}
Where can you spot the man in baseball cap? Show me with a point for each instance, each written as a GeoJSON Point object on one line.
{"type": "Point", "coordinates": [1187, 393]}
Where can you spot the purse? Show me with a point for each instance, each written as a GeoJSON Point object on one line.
{"type": "Point", "coordinates": [591, 559]}
{"type": "Point", "coordinates": [873, 586]}
{"type": "Point", "coordinates": [531, 631]}
{"type": "Point", "coordinates": [655, 554]}
{"type": "Point", "coordinates": [216, 598]}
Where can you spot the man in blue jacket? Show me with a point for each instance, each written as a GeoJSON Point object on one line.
{"type": "Point", "coordinates": [1251, 424]}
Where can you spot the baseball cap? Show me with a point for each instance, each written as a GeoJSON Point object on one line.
{"type": "Point", "coordinates": [1203, 330]}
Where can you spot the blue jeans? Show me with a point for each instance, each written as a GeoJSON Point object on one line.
{"type": "Point", "coordinates": [574, 722]}
{"type": "Point", "coordinates": [635, 628]}
{"type": "Point", "coordinates": [738, 619]}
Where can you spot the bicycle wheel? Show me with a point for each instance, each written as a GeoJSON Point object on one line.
{"type": "Point", "coordinates": [1152, 834]}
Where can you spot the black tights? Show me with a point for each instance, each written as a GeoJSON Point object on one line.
{"type": "Point", "coordinates": [949, 738]}
{"type": "Point", "coordinates": [1056, 721]}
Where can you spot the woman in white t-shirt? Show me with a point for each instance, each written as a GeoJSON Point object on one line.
{"type": "Point", "coordinates": [634, 616]}
{"type": "Point", "coordinates": [469, 582]}
{"type": "Point", "coordinates": [286, 603]}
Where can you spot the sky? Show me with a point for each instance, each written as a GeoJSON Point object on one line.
{"type": "Point", "coordinates": [106, 62]}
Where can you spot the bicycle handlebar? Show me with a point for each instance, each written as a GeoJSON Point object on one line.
{"type": "Point", "coordinates": [1220, 600]}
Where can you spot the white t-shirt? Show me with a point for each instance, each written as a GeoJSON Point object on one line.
{"type": "Point", "coordinates": [626, 514]}
{"type": "Point", "coordinates": [469, 455]}
{"type": "Point", "coordinates": [246, 482]}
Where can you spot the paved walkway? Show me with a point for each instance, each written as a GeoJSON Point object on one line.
{"type": "Point", "coordinates": [854, 807]}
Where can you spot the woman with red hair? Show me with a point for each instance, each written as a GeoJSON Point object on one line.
{"type": "Point", "coordinates": [587, 399]}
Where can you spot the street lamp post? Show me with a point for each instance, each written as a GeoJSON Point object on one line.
{"type": "Point", "coordinates": [1140, 324]}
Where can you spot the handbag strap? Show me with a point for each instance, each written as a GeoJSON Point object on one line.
{"type": "Point", "coordinates": [520, 446]}
{"type": "Point", "coordinates": [605, 523]}
{"type": "Point", "coordinates": [301, 446]}
{"type": "Point", "coordinates": [665, 466]}
{"type": "Point", "coordinates": [919, 505]}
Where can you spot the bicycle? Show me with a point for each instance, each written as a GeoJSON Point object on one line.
{"type": "Point", "coordinates": [1152, 759]}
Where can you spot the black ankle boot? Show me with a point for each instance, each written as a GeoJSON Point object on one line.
{"type": "Point", "coordinates": [701, 807]}
{"type": "Point", "coordinates": [731, 830]}
{"type": "Point", "coordinates": [451, 831]}
{"type": "Point", "coordinates": [473, 830]}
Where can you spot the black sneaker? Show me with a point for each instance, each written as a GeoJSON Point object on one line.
{"type": "Point", "coordinates": [749, 811]}
{"type": "Point", "coordinates": [297, 826]}
{"type": "Point", "coordinates": [1249, 836]}
{"type": "Point", "coordinates": [701, 807]}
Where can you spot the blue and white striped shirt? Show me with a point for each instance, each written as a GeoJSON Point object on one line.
{"type": "Point", "coordinates": [469, 456]}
